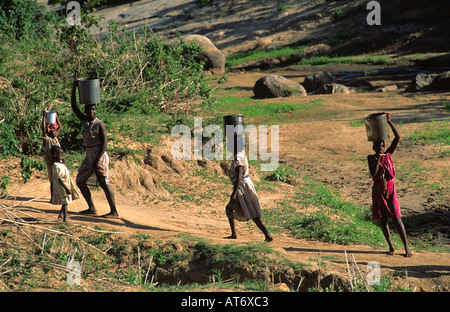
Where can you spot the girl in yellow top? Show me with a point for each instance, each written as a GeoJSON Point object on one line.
{"type": "Point", "coordinates": [50, 132]}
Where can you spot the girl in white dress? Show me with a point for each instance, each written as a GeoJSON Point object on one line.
{"type": "Point", "coordinates": [64, 190]}
{"type": "Point", "coordinates": [244, 204]}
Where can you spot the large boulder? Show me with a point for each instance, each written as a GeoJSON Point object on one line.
{"type": "Point", "coordinates": [277, 86]}
{"type": "Point", "coordinates": [332, 88]}
{"type": "Point", "coordinates": [315, 81]}
{"type": "Point", "coordinates": [214, 59]}
{"type": "Point", "coordinates": [420, 82]}
{"type": "Point", "coordinates": [265, 63]}
{"type": "Point", "coordinates": [359, 83]}
{"type": "Point", "coordinates": [316, 50]}
{"type": "Point", "coordinates": [387, 88]}
{"type": "Point", "coordinates": [430, 82]}
{"type": "Point", "coordinates": [441, 82]}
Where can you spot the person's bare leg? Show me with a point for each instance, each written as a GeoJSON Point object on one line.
{"type": "Point", "coordinates": [51, 192]}
{"type": "Point", "coordinates": [88, 197]}
{"type": "Point", "coordinates": [233, 229]}
{"type": "Point", "coordinates": [63, 213]}
{"type": "Point", "coordinates": [263, 229]}
{"type": "Point", "coordinates": [402, 233]}
{"type": "Point", "coordinates": [385, 228]}
{"type": "Point", "coordinates": [111, 200]}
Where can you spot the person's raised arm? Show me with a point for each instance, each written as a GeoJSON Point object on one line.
{"type": "Point", "coordinates": [44, 124]}
{"type": "Point", "coordinates": [394, 143]}
{"type": "Point", "coordinates": [58, 122]}
{"type": "Point", "coordinates": [374, 167]}
{"type": "Point", "coordinates": [73, 102]}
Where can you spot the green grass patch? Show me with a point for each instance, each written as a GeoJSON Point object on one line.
{"type": "Point", "coordinates": [317, 212]}
{"type": "Point", "coordinates": [356, 122]}
{"type": "Point", "coordinates": [435, 132]}
{"type": "Point", "coordinates": [74, 160]}
{"type": "Point", "coordinates": [111, 262]}
{"type": "Point", "coordinates": [282, 173]}
{"type": "Point", "coordinates": [332, 219]}
{"type": "Point", "coordinates": [218, 262]}
{"type": "Point", "coordinates": [268, 112]}
{"type": "Point", "coordinates": [413, 172]}
{"type": "Point", "coordinates": [238, 58]}
{"type": "Point", "coordinates": [138, 127]}
{"type": "Point", "coordinates": [365, 59]}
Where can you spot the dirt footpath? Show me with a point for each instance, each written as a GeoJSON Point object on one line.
{"type": "Point", "coordinates": [330, 150]}
{"type": "Point", "coordinates": [426, 271]}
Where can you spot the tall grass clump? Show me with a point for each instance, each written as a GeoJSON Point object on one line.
{"type": "Point", "coordinates": [143, 74]}
{"type": "Point", "coordinates": [435, 132]}
{"type": "Point", "coordinates": [238, 58]}
{"type": "Point", "coordinates": [366, 59]}
{"type": "Point", "coordinates": [320, 213]}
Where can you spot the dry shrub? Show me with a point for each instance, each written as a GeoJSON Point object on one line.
{"type": "Point", "coordinates": [127, 175]}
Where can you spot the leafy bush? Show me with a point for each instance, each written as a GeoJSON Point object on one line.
{"type": "Point", "coordinates": [144, 75]}
{"type": "Point", "coordinates": [29, 85]}
{"type": "Point", "coordinates": [338, 15]}
{"type": "Point", "coordinates": [139, 73]}
{"type": "Point", "coordinates": [4, 182]}
{"type": "Point", "coordinates": [8, 142]}
{"type": "Point", "coordinates": [204, 3]}
{"type": "Point", "coordinates": [283, 174]}
{"type": "Point", "coordinates": [24, 18]}
{"type": "Point", "coordinates": [28, 165]}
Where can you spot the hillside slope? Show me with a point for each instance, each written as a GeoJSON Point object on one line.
{"type": "Point", "coordinates": [238, 25]}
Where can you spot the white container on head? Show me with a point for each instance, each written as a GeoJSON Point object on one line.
{"type": "Point", "coordinates": [50, 117]}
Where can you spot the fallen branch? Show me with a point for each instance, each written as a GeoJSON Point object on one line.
{"type": "Point", "coordinates": [319, 273]}
{"type": "Point", "coordinates": [348, 270]}
{"type": "Point", "coordinates": [139, 267]}
{"type": "Point", "coordinates": [6, 262]}
{"type": "Point", "coordinates": [362, 277]}
{"type": "Point", "coordinates": [148, 270]}
{"type": "Point", "coordinates": [51, 230]}
{"type": "Point", "coordinates": [300, 283]}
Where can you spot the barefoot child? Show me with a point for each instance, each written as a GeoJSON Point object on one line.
{"type": "Point", "coordinates": [63, 187]}
{"type": "Point", "coordinates": [384, 196]}
{"type": "Point", "coordinates": [50, 132]}
{"type": "Point", "coordinates": [244, 204]}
